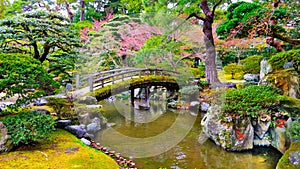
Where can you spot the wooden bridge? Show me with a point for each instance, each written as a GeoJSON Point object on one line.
{"type": "Point", "coordinates": [110, 77]}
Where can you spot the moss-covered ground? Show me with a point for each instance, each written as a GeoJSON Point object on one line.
{"type": "Point", "coordinates": [60, 150]}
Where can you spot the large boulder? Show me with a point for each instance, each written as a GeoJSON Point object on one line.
{"type": "Point", "coordinates": [287, 81]}
{"type": "Point", "coordinates": [77, 130]}
{"type": "Point", "coordinates": [5, 144]}
{"type": "Point", "coordinates": [231, 137]}
{"type": "Point", "coordinates": [280, 141]}
{"type": "Point", "coordinates": [251, 77]}
{"type": "Point", "coordinates": [265, 68]}
{"type": "Point", "coordinates": [88, 100]}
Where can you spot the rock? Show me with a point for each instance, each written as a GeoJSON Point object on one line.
{"type": "Point", "coordinates": [226, 135]}
{"type": "Point", "coordinates": [85, 141]}
{"type": "Point", "coordinates": [261, 128]}
{"type": "Point", "coordinates": [94, 106]}
{"type": "Point", "coordinates": [243, 136]}
{"type": "Point", "coordinates": [279, 139]}
{"type": "Point", "coordinates": [110, 124]}
{"type": "Point", "coordinates": [265, 68]}
{"type": "Point", "coordinates": [251, 77]}
{"type": "Point", "coordinates": [204, 106]}
{"type": "Point", "coordinates": [63, 123]}
{"type": "Point", "coordinates": [5, 144]}
{"type": "Point", "coordinates": [93, 128]}
{"type": "Point", "coordinates": [79, 131]}
{"type": "Point", "coordinates": [288, 65]}
{"type": "Point", "coordinates": [295, 157]}
{"type": "Point", "coordinates": [89, 136]}
{"type": "Point", "coordinates": [88, 100]}
{"type": "Point", "coordinates": [288, 82]}
{"type": "Point", "coordinates": [68, 87]}
{"type": "Point", "coordinates": [42, 111]}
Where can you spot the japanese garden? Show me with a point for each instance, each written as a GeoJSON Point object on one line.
{"type": "Point", "coordinates": [150, 84]}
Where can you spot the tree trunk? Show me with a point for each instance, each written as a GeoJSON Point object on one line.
{"type": "Point", "coordinates": [82, 6]}
{"type": "Point", "coordinates": [70, 14]}
{"type": "Point", "coordinates": [210, 60]}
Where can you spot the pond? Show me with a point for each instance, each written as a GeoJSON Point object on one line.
{"type": "Point", "coordinates": [144, 137]}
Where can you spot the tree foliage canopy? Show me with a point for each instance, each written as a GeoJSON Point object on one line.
{"type": "Point", "coordinates": [19, 74]}
{"type": "Point", "coordinates": [38, 34]}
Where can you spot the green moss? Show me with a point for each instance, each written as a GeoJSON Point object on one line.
{"type": "Point", "coordinates": [61, 150]}
{"type": "Point", "coordinates": [284, 162]}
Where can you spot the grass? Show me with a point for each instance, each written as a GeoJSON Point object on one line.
{"type": "Point", "coordinates": [60, 150]}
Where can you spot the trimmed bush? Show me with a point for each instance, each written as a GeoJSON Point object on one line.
{"type": "Point", "coordinates": [28, 127]}
{"type": "Point", "coordinates": [277, 61]}
{"type": "Point", "coordinates": [251, 64]}
{"type": "Point", "coordinates": [233, 69]}
{"type": "Point", "coordinates": [252, 100]}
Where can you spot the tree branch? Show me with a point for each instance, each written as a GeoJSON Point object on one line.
{"type": "Point", "coordinates": [284, 38]}
{"type": "Point", "coordinates": [196, 16]}
{"type": "Point", "coordinates": [215, 6]}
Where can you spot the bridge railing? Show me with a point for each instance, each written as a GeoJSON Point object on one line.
{"type": "Point", "coordinates": [100, 79]}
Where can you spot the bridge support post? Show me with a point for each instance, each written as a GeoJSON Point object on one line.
{"type": "Point", "coordinates": [91, 83]}
{"type": "Point", "coordinates": [77, 82]}
{"type": "Point", "coordinates": [147, 96]}
{"type": "Point", "coordinates": [132, 97]}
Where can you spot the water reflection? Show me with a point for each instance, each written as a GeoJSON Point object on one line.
{"type": "Point", "coordinates": [185, 155]}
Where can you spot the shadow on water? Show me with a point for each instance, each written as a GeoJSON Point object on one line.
{"type": "Point", "coordinates": [189, 153]}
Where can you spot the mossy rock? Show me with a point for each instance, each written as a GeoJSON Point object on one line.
{"type": "Point", "coordinates": [284, 162]}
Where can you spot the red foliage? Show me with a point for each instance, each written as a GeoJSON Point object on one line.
{"type": "Point", "coordinates": [96, 26]}
{"type": "Point", "coordinates": [134, 35]}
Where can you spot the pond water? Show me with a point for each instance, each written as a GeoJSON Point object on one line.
{"type": "Point", "coordinates": [141, 136]}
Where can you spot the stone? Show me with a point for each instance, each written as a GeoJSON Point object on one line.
{"type": "Point", "coordinates": [63, 123]}
{"type": "Point", "coordinates": [295, 157]}
{"type": "Point", "coordinates": [265, 68]}
{"type": "Point", "coordinates": [89, 136]}
{"type": "Point", "coordinates": [205, 106]}
{"type": "Point", "coordinates": [5, 144]}
{"type": "Point", "coordinates": [42, 111]}
{"type": "Point", "coordinates": [88, 100]}
{"type": "Point", "coordinates": [279, 139]}
{"type": "Point", "coordinates": [288, 65]}
{"type": "Point", "coordinates": [79, 131]}
{"type": "Point", "coordinates": [224, 133]}
{"type": "Point", "coordinates": [243, 136]}
{"type": "Point", "coordinates": [251, 77]}
{"type": "Point", "coordinates": [93, 128]}
{"type": "Point", "coordinates": [261, 128]}
{"type": "Point", "coordinates": [68, 87]}
{"type": "Point", "coordinates": [94, 106]}
{"type": "Point", "coordinates": [85, 141]}
{"type": "Point", "coordinates": [288, 82]}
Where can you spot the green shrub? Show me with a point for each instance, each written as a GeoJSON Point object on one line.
{"type": "Point", "coordinates": [232, 69]}
{"type": "Point", "coordinates": [277, 61]}
{"type": "Point", "coordinates": [62, 107]}
{"type": "Point", "coordinates": [251, 64]}
{"type": "Point", "coordinates": [24, 76]}
{"type": "Point", "coordinates": [294, 131]}
{"type": "Point", "coordinates": [28, 127]}
{"type": "Point", "coordinates": [252, 100]}
{"type": "Point", "coordinates": [189, 92]}
{"type": "Point", "coordinates": [82, 25]}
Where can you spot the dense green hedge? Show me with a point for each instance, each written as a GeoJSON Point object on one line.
{"type": "Point", "coordinates": [28, 127]}
{"type": "Point", "coordinates": [252, 100]}
{"type": "Point", "coordinates": [277, 61]}
{"type": "Point", "coordinates": [23, 75]}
